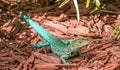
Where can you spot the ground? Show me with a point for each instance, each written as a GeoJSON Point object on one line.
{"type": "Point", "coordinates": [16, 53]}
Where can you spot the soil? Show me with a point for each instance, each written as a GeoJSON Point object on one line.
{"type": "Point", "coordinates": [16, 37]}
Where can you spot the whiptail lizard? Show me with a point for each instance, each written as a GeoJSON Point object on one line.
{"type": "Point", "coordinates": [59, 47]}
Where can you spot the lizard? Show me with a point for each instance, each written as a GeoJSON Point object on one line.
{"type": "Point", "coordinates": [63, 49]}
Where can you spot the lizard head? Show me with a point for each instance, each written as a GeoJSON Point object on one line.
{"type": "Point", "coordinates": [79, 43]}
{"type": "Point", "coordinates": [75, 45]}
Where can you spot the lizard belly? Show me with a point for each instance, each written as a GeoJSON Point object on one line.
{"type": "Point", "coordinates": [66, 53]}
{"type": "Point", "coordinates": [58, 48]}
{"type": "Point", "coordinates": [69, 54]}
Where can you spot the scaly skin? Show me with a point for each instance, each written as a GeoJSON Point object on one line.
{"type": "Point", "coordinates": [61, 48]}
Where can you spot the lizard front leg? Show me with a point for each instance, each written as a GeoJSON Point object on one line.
{"type": "Point", "coordinates": [63, 60]}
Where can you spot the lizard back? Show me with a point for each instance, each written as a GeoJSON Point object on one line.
{"type": "Point", "coordinates": [55, 43]}
{"type": "Point", "coordinates": [39, 29]}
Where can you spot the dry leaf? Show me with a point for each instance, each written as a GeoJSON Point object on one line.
{"type": "Point", "coordinates": [48, 58]}
{"type": "Point", "coordinates": [29, 60]}
{"type": "Point", "coordinates": [79, 30]}
{"type": "Point", "coordinates": [83, 68]}
{"type": "Point", "coordinates": [48, 68]}
{"type": "Point", "coordinates": [59, 27]}
{"type": "Point", "coordinates": [42, 65]}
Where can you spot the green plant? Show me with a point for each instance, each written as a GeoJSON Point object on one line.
{"type": "Point", "coordinates": [116, 32]}
{"type": "Point", "coordinates": [97, 3]}
{"type": "Point", "coordinates": [87, 3]}
{"type": "Point", "coordinates": [75, 4]}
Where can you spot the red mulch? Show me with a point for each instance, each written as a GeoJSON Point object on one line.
{"type": "Point", "coordinates": [16, 53]}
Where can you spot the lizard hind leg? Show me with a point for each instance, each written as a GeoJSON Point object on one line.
{"type": "Point", "coordinates": [81, 54]}
{"type": "Point", "coordinates": [41, 45]}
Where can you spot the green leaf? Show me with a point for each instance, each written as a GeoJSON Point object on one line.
{"type": "Point", "coordinates": [116, 32]}
{"type": "Point", "coordinates": [76, 7]}
{"type": "Point", "coordinates": [77, 10]}
{"type": "Point", "coordinates": [63, 3]}
{"type": "Point", "coordinates": [97, 3]}
{"type": "Point", "coordinates": [87, 3]}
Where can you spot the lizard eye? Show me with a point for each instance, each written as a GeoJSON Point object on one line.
{"type": "Point", "coordinates": [74, 53]}
{"type": "Point", "coordinates": [80, 42]}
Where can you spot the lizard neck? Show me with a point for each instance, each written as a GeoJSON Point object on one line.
{"type": "Point", "coordinates": [39, 29]}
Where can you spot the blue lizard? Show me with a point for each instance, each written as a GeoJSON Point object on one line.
{"type": "Point", "coordinates": [63, 49]}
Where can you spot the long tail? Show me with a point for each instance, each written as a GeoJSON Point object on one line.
{"type": "Point", "coordinates": [39, 29]}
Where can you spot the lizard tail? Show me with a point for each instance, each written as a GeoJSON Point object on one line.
{"type": "Point", "coordinates": [39, 29]}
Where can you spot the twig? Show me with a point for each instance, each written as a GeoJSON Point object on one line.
{"type": "Point", "coordinates": [63, 65]}
{"type": "Point", "coordinates": [108, 11]}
